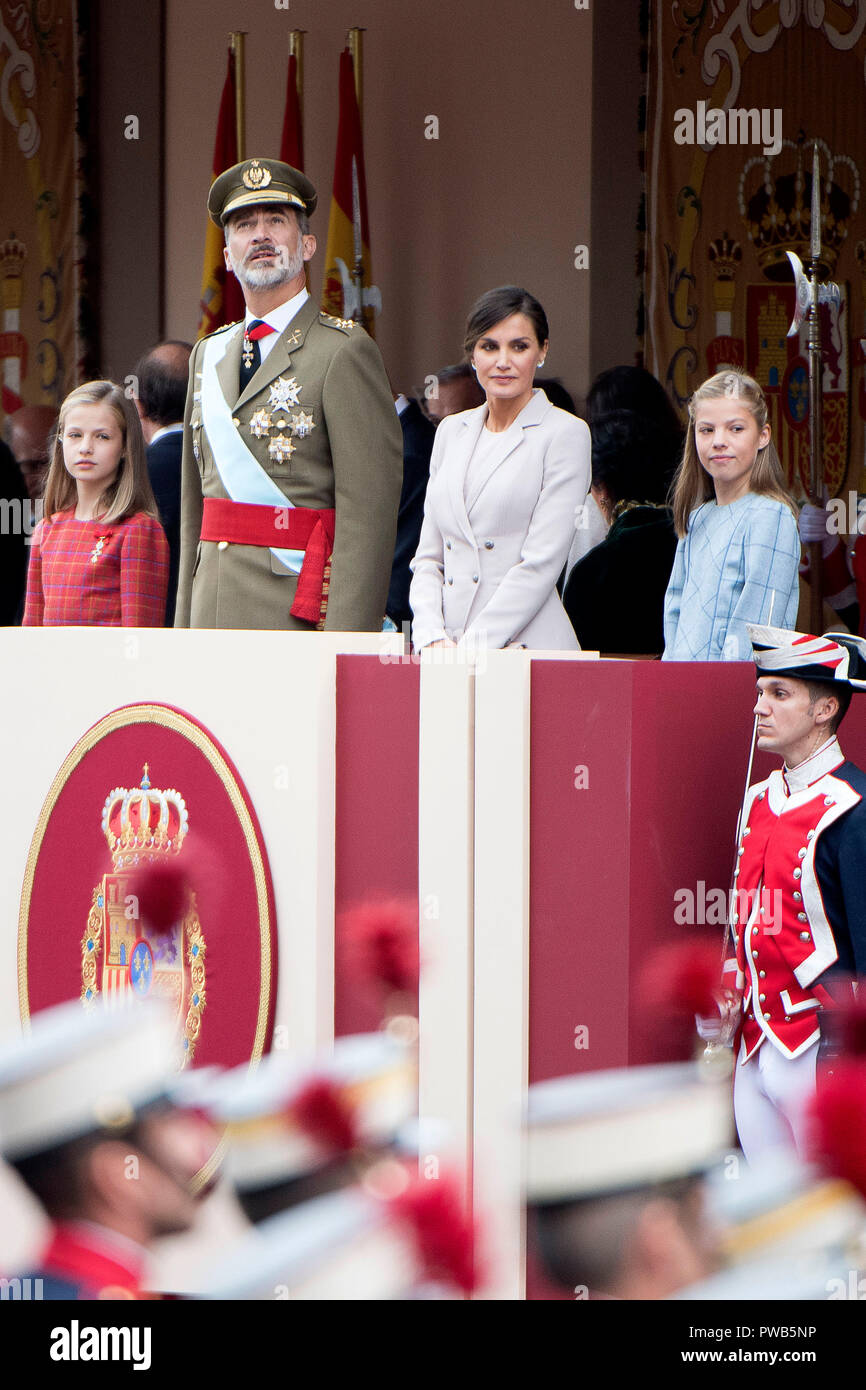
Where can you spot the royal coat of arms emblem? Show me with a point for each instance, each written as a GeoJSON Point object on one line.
{"type": "Point", "coordinates": [123, 951]}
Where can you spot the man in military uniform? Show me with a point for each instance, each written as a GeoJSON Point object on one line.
{"type": "Point", "coordinates": [616, 1164]}
{"type": "Point", "coordinates": [292, 458]}
{"type": "Point", "coordinates": [798, 917]}
{"type": "Point", "coordinates": [90, 1122]}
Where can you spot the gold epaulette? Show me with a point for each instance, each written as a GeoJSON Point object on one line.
{"type": "Point", "coordinates": [333, 322]}
{"type": "Point", "coordinates": [224, 328]}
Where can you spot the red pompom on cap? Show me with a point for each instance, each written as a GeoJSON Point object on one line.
{"type": "Point", "coordinates": [322, 1111]}
{"type": "Point", "coordinates": [162, 892]}
{"type": "Point", "coordinates": [682, 980]}
{"type": "Point", "coordinates": [381, 941]}
{"type": "Point", "coordinates": [838, 1123]}
{"type": "Point", "coordinates": [444, 1233]}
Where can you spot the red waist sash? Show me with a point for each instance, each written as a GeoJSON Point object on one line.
{"type": "Point", "coordinates": [310, 529]}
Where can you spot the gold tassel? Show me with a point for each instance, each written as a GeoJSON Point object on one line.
{"type": "Point", "coordinates": [326, 586]}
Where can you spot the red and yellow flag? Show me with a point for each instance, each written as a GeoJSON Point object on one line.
{"type": "Point", "coordinates": [292, 143]}
{"type": "Point", "coordinates": [222, 300]}
{"type": "Point", "coordinates": [348, 249]}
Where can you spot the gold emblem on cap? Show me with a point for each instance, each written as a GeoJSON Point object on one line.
{"type": "Point", "coordinates": [256, 176]}
{"type": "Point", "coordinates": [113, 1111]}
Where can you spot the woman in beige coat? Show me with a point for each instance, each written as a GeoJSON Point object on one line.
{"type": "Point", "coordinates": [508, 481]}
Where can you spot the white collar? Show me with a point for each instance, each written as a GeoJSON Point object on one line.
{"type": "Point", "coordinates": [125, 1247]}
{"type": "Point", "coordinates": [280, 318]}
{"type": "Point", "coordinates": [401, 403]}
{"type": "Point", "coordinates": [165, 429]}
{"type": "Point", "coordinates": [828, 757]}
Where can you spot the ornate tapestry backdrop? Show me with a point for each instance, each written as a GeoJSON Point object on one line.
{"type": "Point", "coordinates": [42, 120]}
{"type": "Point", "coordinates": [738, 92]}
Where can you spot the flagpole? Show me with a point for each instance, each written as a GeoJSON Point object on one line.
{"type": "Point", "coordinates": [816, 461]}
{"type": "Point", "coordinates": [296, 51]}
{"type": "Point", "coordinates": [354, 43]}
{"type": "Point", "coordinates": [237, 37]}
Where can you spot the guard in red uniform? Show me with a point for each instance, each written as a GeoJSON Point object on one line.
{"type": "Point", "coordinates": [798, 912]}
{"type": "Point", "coordinates": [89, 1121]}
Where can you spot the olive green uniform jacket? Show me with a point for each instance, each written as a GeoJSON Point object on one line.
{"type": "Point", "coordinates": [351, 459]}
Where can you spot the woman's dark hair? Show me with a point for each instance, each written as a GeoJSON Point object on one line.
{"type": "Point", "coordinates": [496, 305]}
{"type": "Point", "coordinates": [556, 393]}
{"type": "Point", "coordinates": [632, 388]}
{"type": "Point", "coordinates": [632, 458]}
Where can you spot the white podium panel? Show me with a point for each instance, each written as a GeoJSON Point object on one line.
{"type": "Point", "coordinates": [267, 698]}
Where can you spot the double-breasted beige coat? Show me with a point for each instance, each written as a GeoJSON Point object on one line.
{"type": "Point", "coordinates": [346, 453]}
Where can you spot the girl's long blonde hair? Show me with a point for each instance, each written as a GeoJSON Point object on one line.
{"type": "Point", "coordinates": [692, 485]}
{"type": "Point", "coordinates": [131, 491]}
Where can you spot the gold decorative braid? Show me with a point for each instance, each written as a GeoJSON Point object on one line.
{"type": "Point", "coordinates": [622, 507]}
{"type": "Point", "coordinates": [769, 1226]}
{"type": "Point", "coordinates": [90, 947]}
{"type": "Point", "coordinates": [163, 717]}
{"type": "Point", "coordinates": [195, 955]}
{"type": "Point", "coordinates": [326, 589]}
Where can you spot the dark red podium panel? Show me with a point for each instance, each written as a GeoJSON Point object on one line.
{"type": "Point", "coordinates": [376, 808]}
{"type": "Point", "coordinates": [662, 749]}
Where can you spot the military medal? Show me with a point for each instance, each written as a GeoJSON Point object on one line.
{"type": "Point", "coordinates": [260, 424]}
{"type": "Point", "coordinates": [248, 351]}
{"type": "Point", "coordinates": [302, 424]}
{"type": "Point", "coordinates": [284, 393]}
{"type": "Point", "coordinates": [281, 449]}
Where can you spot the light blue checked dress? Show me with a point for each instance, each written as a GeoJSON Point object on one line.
{"type": "Point", "coordinates": [733, 564]}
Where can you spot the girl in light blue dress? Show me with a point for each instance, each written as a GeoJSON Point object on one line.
{"type": "Point", "coordinates": [738, 556]}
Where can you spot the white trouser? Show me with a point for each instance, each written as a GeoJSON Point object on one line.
{"type": "Point", "coordinates": [771, 1095]}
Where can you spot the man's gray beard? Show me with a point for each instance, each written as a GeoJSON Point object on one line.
{"type": "Point", "coordinates": [268, 277]}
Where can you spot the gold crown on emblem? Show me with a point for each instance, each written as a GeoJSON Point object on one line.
{"type": "Point", "coordinates": [775, 200]}
{"type": "Point", "coordinates": [256, 176]}
{"type": "Point", "coordinates": [13, 254]}
{"type": "Point", "coordinates": [142, 822]}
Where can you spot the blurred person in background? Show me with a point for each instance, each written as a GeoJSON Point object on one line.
{"type": "Point", "coordinates": [615, 595]}
{"type": "Point", "coordinates": [14, 528]}
{"type": "Point", "coordinates": [635, 390]}
{"type": "Point", "coordinates": [452, 389]}
{"type": "Point", "coordinates": [418, 431]}
{"type": "Point", "coordinates": [162, 376]}
{"type": "Point", "coordinates": [28, 431]}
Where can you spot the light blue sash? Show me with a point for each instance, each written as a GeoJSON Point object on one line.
{"type": "Point", "coordinates": [240, 472]}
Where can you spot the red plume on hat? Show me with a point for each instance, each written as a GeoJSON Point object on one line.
{"type": "Point", "coordinates": [162, 892]}
{"type": "Point", "coordinates": [681, 980]}
{"type": "Point", "coordinates": [322, 1111]}
{"type": "Point", "coordinates": [846, 1024]}
{"type": "Point", "coordinates": [444, 1233]}
{"type": "Point", "coordinates": [381, 940]}
{"type": "Point", "coordinates": [838, 1123]}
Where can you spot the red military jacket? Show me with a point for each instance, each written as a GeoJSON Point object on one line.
{"type": "Point", "coordinates": [85, 1261]}
{"type": "Point", "coordinates": [784, 938]}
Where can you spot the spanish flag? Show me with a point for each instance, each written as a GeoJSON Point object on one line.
{"type": "Point", "coordinates": [222, 300]}
{"type": "Point", "coordinates": [348, 229]}
{"type": "Point", "coordinates": [292, 143]}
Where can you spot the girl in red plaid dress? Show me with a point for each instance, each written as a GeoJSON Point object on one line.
{"type": "Point", "coordinates": [99, 557]}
